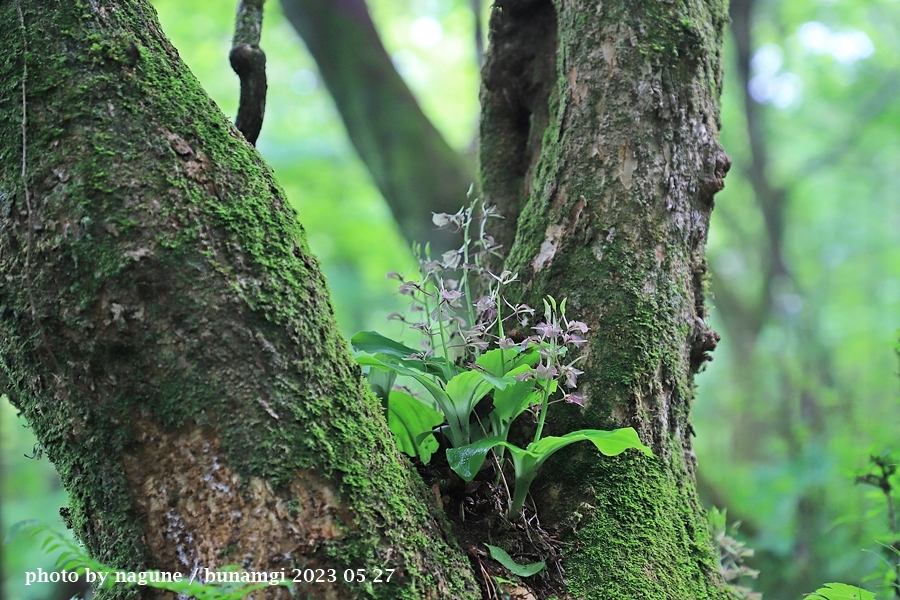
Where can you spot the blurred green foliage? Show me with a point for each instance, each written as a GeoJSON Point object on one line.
{"type": "Point", "coordinates": [804, 385]}
{"type": "Point", "coordinates": [792, 406]}
{"type": "Point", "coordinates": [29, 488]}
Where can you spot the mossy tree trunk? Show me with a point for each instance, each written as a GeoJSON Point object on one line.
{"type": "Point", "coordinates": [167, 334]}
{"type": "Point", "coordinates": [599, 143]}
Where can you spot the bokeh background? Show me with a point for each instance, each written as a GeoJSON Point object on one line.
{"type": "Point", "coordinates": [804, 252]}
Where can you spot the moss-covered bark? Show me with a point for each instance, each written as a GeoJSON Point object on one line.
{"type": "Point", "coordinates": [167, 334]}
{"type": "Point", "coordinates": [599, 139]}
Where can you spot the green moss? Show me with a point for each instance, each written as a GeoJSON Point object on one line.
{"type": "Point", "coordinates": [642, 540]}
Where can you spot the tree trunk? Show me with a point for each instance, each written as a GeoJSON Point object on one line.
{"type": "Point", "coordinates": [166, 333]}
{"type": "Point", "coordinates": [599, 145]}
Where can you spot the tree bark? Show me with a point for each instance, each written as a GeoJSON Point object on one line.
{"type": "Point", "coordinates": [599, 145]}
{"type": "Point", "coordinates": [413, 166]}
{"type": "Point", "coordinates": [167, 334]}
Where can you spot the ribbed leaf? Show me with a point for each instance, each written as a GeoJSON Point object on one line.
{"type": "Point", "coordinates": [842, 591]}
{"type": "Point", "coordinates": [501, 556]}
{"type": "Point", "coordinates": [411, 421]}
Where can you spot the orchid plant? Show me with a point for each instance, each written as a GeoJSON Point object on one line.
{"type": "Point", "coordinates": [470, 352]}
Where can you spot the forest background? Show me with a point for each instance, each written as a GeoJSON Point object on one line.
{"type": "Point", "coordinates": [804, 251]}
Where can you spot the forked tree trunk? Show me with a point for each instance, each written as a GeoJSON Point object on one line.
{"type": "Point", "coordinates": [599, 142]}
{"type": "Point", "coordinates": [167, 334]}
{"type": "Point", "coordinates": [169, 338]}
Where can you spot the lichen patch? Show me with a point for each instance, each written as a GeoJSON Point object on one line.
{"type": "Point", "coordinates": [627, 165]}
{"type": "Point", "coordinates": [198, 513]}
{"type": "Point", "coordinates": [178, 144]}
{"type": "Point", "coordinates": [548, 247]}
{"type": "Point", "coordinates": [579, 91]}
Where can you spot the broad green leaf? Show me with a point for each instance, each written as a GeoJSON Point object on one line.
{"type": "Point", "coordinates": [467, 388]}
{"type": "Point", "coordinates": [411, 422]}
{"type": "Point", "coordinates": [501, 556]}
{"type": "Point", "coordinates": [464, 392]}
{"type": "Point", "coordinates": [499, 362]}
{"type": "Point", "coordinates": [383, 361]}
{"type": "Point", "coordinates": [371, 342]}
{"type": "Point", "coordinates": [509, 402]}
{"type": "Point", "coordinates": [525, 463]}
{"type": "Point", "coordinates": [466, 460]}
{"type": "Point", "coordinates": [381, 381]}
{"type": "Point", "coordinates": [609, 443]}
{"type": "Point", "coordinates": [842, 591]}
{"type": "Point", "coordinates": [393, 352]}
{"type": "Point", "coordinates": [500, 383]}
{"type": "Point", "coordinates": [458, 433]}
{"type": "Point", "coordinates": [493, 361]}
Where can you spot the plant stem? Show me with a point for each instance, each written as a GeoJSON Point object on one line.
{"type": "Point", "coordinates": [522, 487]}
{"type": "Point", "coordinates": [500, 327]}
{"type": "Point", "coordinates": [545, 400]}
{"type": "Point", "coordinates": [465, 273]}
{"type": "Point", "coordinates": [440, 319]}
{"type": "Point", "coordinates": [544, 404]}
{"type": "Point", "coordinates": [498, 465]}
{"type": "Point", "coordinates": [420, 257]}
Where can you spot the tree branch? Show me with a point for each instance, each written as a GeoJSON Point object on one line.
{"type": "Point", "coordinates": [479, 31]}
{"type": "Point", "coordinates": [413, 166]}
{"type": "Point", "coordinates": [770, 198]}
{"type": "Point", "coordinates": [249, 62]}
{"type": "Point", "coordinates": [879, 101]}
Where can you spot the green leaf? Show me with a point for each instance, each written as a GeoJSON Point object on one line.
{"type": "Point", "coordinates": [381, 381]}
{"type": "Point", "coordinates": [395, 353]}
{"type": "Point", "coordinates": [71, 565]}
{"type": "Point", "coordinates": [500, 383]}
{"type": "Point", "coordinates": [410, 368]}
{"type": "Point", "coordinates": [457, 402]}
{"type": "Point", "coordinates": [842, 591]}
{"type": "Point", "coordinates": [500, 555]}
{"type": "Point", "coordinates": [493, 361]}
{"type": "Point", "coordinates": [609, 443]}
{"type": "Point", "coordinates": [466, 460]}
{"type": "Point", "coordinates": [371, 342]}
{"type": "Point", "coordinates": [499, 362]}
{"type": "Point", "coordinates": [466, 389]}
{"type": "Point", "coordinates": [383, 361]}
{"type": "Point", "coordinates": [464, 392]}
{"type": "Point", "coordinates": [411, 422]}
{"type": "Point", "coordinates": [511, 401]}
